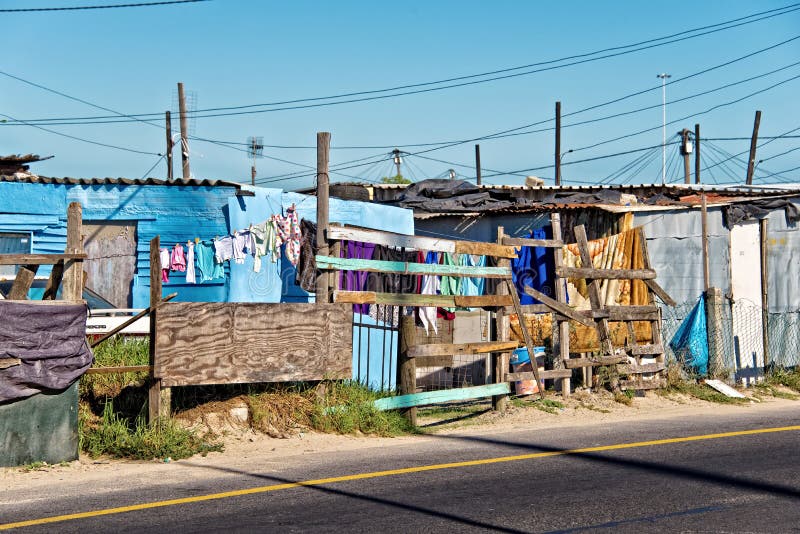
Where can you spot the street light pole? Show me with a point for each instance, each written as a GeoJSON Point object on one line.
{"type": "Point", "coordinates": [663, 77]}
{"type": "Point", "coordinates": [560, 157]}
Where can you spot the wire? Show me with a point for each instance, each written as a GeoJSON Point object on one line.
{"type": "Point", "coordinates": [204, 113]}
{"type": "Point", "coordinates": [76, 138]}
{"type": "Point", "coordinates": [77, 8]}
{"type": "Point", "coordinates": [148, 171]}
{"type": "Point", "coordinates": [762, 144]}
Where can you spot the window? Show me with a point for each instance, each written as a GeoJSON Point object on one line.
{"type": "Point", "coordinates": [13, 243]}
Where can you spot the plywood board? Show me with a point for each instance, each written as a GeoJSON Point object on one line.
{"type": "Point", "coordinates": [225, 343]}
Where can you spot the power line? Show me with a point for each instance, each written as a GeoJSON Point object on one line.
{"type": "Point", "coordinates": [81, 8]}
{"type": "Point", "coordinates": [76, 138]}
{"type": "Point", "coordinates": [204, 113]}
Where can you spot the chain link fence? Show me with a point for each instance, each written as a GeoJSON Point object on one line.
{"type": "Point", "coordinates": [739, 337]}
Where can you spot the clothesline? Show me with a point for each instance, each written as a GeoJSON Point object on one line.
{"type": "Point", "coordinates": [203, 260]}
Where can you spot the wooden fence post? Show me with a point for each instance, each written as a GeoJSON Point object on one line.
{"type": "Point", "coordinates": [502, 326]}
{"type": "Point", "coordinates": [73, 269]}
{"type": "Point", "coordinates": [407, 366]}
{"type": "Point", "coordinates": [560, 293]}
{"type": "Point", "coordinates": [714, 303]}
{"type": "Point", "coordinates": [159, 400]}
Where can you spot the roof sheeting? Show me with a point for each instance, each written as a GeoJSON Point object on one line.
{"type": "Point", "coordinates": [35, 179]}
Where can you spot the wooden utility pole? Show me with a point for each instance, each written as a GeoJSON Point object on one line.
{"type": "Point", "coordinates": [323, 152]}
{"type": "Point", "coordinates": [184, 133]}
{"type": "Point", "coordinates": [751, 164]}
{"type": "Point", "coordinates": [558, 143]}
{"type": "Point", "coordinates": [478, 164]}
{"type": "Point", "coordinates": [697, 153]}
{"type": "Point", "coordinates": [704, 244]}
{"type": "Point", "coordinates": [169, 145]}
{"type": "Point", "coordinates": [687, 177]}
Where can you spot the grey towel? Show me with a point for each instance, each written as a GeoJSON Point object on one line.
{"type": "Point", "coordinates": [50, 341]}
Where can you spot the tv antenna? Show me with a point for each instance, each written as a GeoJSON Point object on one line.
{"type": "Point", "coordinates": [255, 149]}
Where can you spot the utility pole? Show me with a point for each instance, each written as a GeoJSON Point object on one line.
{"type": "Point", "coordinates": [663, 77]}
{"type": "Point", "coordinates": [558, 143]}
{"type": "Point", "coordinates": [169, 145]}
{"type": "Point", "coordinates": [478, 164]}
{"type": "Point", "coordinates": [323, 195]}
{"type": "Point", "coordinates": [686, 151]}
{"type": "Point", "coordinates": [697, 153]}
{"type": "Point", "coordinates": [752, 161]}
{"type": "Point", "coordinates": [397, 159]}
{"type": "Point", "coordinates": [187, 174]}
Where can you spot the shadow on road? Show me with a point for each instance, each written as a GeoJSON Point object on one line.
{"type": "Point", "coordinates": [676, 471]}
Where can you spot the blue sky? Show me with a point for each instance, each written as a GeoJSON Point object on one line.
{"type": "Point", "coordinates": [235, 52]}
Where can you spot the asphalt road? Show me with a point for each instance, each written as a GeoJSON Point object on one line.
{"type": "Point", "coordinates": [513, 482]}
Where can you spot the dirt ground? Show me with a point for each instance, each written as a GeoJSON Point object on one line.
{"type": "Point", "coordinates": [245, 448]}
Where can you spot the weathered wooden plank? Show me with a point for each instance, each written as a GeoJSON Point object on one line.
{"type": "Point", "coordinates": [382, 266]}
{"type": "Point", "coordinates": [543, 375]}
{"type": "Point", "coordinates": [573, 363]}
{"type": "Point", "coordinates": [38, 259]}
{"type": "Point", "coordinates": [594, 291]}
{"type": "Point", "coordinates": [658, 290]}
{"type": "Point", "coordinates": [485, 249]}
{"type": "Point", "coordinates": [390, 239]}
{"type": "Point", "coordinates": [413, 299]}
{"type": "Point", "coordinates": [434, 361]}
{"type": "Point", "coordinates": [656, 383]}
{"type": "Point", "coordinates": [419, 242]}
{"type": "Point", "coordinates": [638, 350]}
{"type": "Point", "coordinates": [22, 283]}
{"type": "Point", "coordinates": [632, 313]}
{"type": "Point", "coordinates": [5, 363]}
{"type": "Point", "coordinates": [441, 349]}
{"type": "Point", "coordinates": [156, 408]}
{"type": "Point", "coordinates": [643, 368]}
{"type": "Point", "coordinates": [525, 242]}
{"type": "Point", "coordinates": [563, 309]}
{"type": "Point", "coordinates": [53, 283]}
{"type": "Point", "coordinates": [526, 335]}
{"type": "Point", "coordinates": [118, 370]}
{"type": "Point", "coordinates": [605, 274]}
{"type": "Point", "coordinates": [224, 343]}
{"type": "Point", "coordinates": [500, 360]}
{"type": "Point", "coordinates": [72, 280]}
{"type": "Point", "coordinates": [535, 308]}
{"type": "Point", "coordinates": [442, 395]}
{"type": "Point", "coordinates": [561, 296]}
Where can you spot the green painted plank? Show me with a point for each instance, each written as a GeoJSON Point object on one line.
{"type": "Point", "coordinates": [381, 266]}
{"type": "Point", "coordinates": [444, 395]}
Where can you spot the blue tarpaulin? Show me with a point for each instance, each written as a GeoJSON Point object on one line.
{"type": "Point", "coordinates": [534, 267]}
{"type": "Point", "coordinates": [690, 342]}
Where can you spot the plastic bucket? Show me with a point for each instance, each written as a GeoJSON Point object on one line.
{"type": "Point", "coordinates": [521, 362]}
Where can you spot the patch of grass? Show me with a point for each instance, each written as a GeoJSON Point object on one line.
{"type": "Point", "coordinates": [452, 411]}
{"type": "Point", "coordinates": [333, 407]}
{"type": "Point", "coordinates": [593, 408]}
{"type": "Point", "coordinates": [546, 405]}
{"type": "Point", "coordinates": [699, 391]}
{"type": "Point", "coordinates": [624, 397]}
{"type": "Point", "coordinates": [785, 377]}
{"type": "Point", "coordinates": [770, 389]}
{"type": "Point", "coordinates": [116, 352]}
{"type": "Point", "coordinates": [113, 435]}
{"type": "Point", "coordinates": [34, 466]}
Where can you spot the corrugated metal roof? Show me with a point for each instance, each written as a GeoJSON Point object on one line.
{"type": "Point", "coordinates": [35, 179]}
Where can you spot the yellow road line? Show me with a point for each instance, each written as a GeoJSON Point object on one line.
{"type": "Point", "coordinates": [390, 472]}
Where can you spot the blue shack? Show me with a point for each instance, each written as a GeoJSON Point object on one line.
{"type": "Point", "coordinates": [121, 216]}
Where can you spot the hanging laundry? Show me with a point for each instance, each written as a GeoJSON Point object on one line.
{"type": "Point", "coordinates": [450, 285]}
{"type": "Point", "coordinates": [163, 257]}
{"type": "Point", "coordinates": [190, 274]}
{"type": "Point", "coordinates": [177, 259]}
{"type": "Point", "coordinates": [533, 267]}
{"type": "Point", "coordinates": [430, 286]}
{"type": "Point", "coordinates": [390, 283]}
{"type": "Point", "coordinates": [223, 249]}
{"type": "Point", "coordinates": [239, 243]}
{"type": "Point", "coordinates": [263, 237]}
{"type": "Point", "coordinates": [291, 227]}
{"type": "Point", "coordinates": [306, 276]}
{"type": "Point", "coordinates": [207, 265]}
{"type": "Point", "coordinates": [356, 280]}
{"type": "Point", "coordinates": [472, 286]}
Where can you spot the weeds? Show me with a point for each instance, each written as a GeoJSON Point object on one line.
{"type": "Point", "coordinates": [624, 397]}
{"type": "Point", "coordinates": [113, 435]}
{"type": "Point", "coordinates": [546, 405]}
{"type": "Point", "coordinates": [699, 391]}
{"type": "Point", "coordinates": [115, 352]}
{"type": "Point", "coordinates": [785, 377]}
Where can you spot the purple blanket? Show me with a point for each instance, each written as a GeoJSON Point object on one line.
{"type": "Point", "coordinates": [50, 341]}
